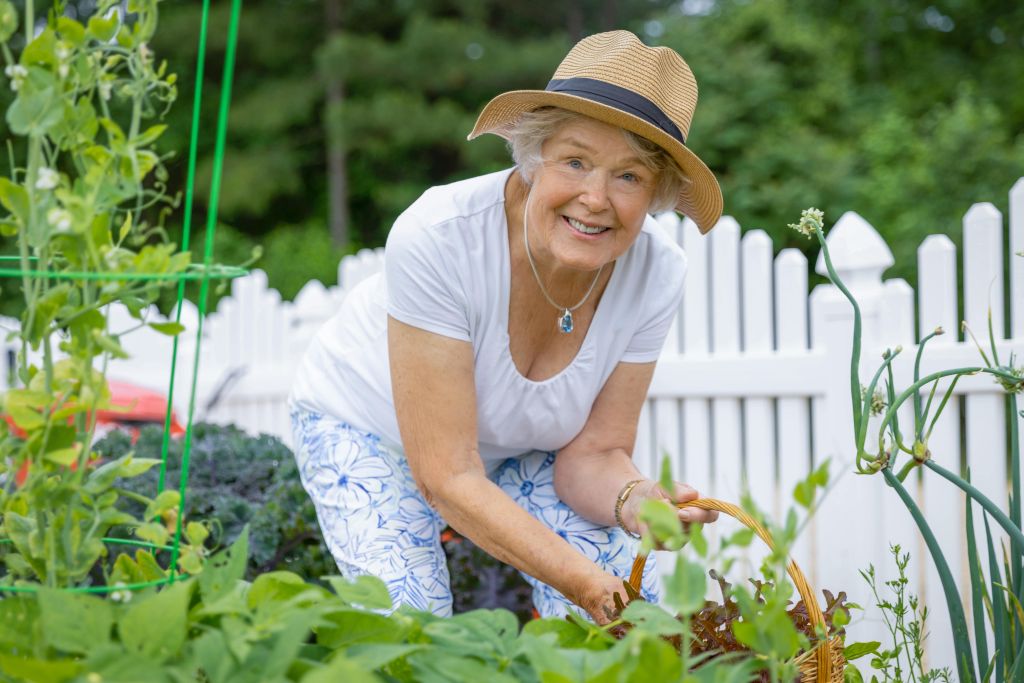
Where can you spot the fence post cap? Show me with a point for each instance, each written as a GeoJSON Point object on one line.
{"type": "Point", "coordinates": [858, 252]}
{"type": "Point", "coordinates": [1018, 187]}
{"type": "Point", "coordinates": [983, 211]}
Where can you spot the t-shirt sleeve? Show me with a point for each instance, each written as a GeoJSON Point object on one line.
{"type": "Point", "coordinates": [664, 293]}
{"type": "Point", "coordinates": [423, 290]}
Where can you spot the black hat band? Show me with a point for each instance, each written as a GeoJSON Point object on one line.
{"type": "Point", "coordinates": [620, 98]}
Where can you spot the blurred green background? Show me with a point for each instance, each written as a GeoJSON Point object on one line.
{"type": "Point", "coordinates": [344, 111]}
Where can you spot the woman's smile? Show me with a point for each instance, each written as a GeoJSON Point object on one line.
{"type": "Point", "coordinates": [584, 230]}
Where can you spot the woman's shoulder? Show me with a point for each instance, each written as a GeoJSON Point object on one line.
{"type": "Point", "coordinates": [450, 222]}
{"type": "Point", "coordinates": [461, 199]}
{"type": "Point", "coordinates": [656, 251]}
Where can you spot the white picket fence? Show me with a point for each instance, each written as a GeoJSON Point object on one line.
{"type": "Point", "coordinates": [752, 389]}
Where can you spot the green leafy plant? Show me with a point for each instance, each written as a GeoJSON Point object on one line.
{"type": "Point", "coordinates": [905, 619]}
{"type": "Point", "coordinates": [77, 205]}
{"type": "Point", "coordinates": [999, 594]}
{"type": "Point", "coordinates": [217, 626]}
{"type": "Point", "coordinates": [234, 481]}
{"type": "Point", "coordinates": [756, 624]}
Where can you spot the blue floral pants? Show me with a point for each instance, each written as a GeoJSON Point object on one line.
{"type": "Point", "coordinates": [376, 521]}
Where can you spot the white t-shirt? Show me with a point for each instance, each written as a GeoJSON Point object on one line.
{"type": "Point", "coordinates": [446, 270]}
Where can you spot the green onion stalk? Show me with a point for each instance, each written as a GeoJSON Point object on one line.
{"type": "Point", "coordinates": [1006, 615]}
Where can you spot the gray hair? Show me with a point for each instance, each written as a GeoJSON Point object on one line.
{"type": "Point", "coordinates": [528, 134]}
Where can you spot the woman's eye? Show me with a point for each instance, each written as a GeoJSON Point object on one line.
{"type": "Point", "coordinates": [575, 163]}
{"type": "Point", "coordinates": [630, 178]}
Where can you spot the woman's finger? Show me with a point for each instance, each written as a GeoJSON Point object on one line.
{"type": "Point", "coordinates": [683, 493]}
{"type": "Point", "coordinates": [693, 514]}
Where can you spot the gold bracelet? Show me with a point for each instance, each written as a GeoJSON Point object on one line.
{"type": "Point", "coordinates": [621, 500]}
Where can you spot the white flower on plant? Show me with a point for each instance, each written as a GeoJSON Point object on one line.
{"type": "Point", "coordinates": [60, 219]}
{"type": "Point", "coordinates": [115, 257]}
{"type": "Point", "coordinates": [121, 595]}
{"type": "Point", "coordinates": [878, 403]}
{"type": "Point", "coordinates": [105, 89]}
{"type": "Point", "coordinates": [63, 52]}
{"type": "Point", "coordinates": [47, 179]}
{"type": "Point", "coordinates": [145, 53]}
{"type": "Point", "coordinates": [17, 73]}
{"type": "Point", "coordinates": [811, 220]}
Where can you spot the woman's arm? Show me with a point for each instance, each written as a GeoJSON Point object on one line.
{"type": "Point", "coordinates": [592, 469]}
{"type": "Point", "coordinates": [432, 378]}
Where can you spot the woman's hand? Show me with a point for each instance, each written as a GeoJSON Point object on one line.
{"type": "Point", "coordinates": [599, 598]}
{"type": "Point", "coordinates": [651, 490]}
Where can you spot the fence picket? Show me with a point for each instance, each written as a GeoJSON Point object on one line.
{"type": "Point", "coordinates": [861, 257]}
{"type": "Point", "coordinates": [696, 342]}
{"type": "Point", "coordinates": [758, 323]}
{"type": "Point", "coordinates": [897, 524]}
{"type": "Point", "coordinates": [794, 415]}
{"type": "Point", "coordinates": [671, 224]}
{"type": "Point", "coordinates": [937, 306]}
{"type": "Point", "coordinates": [725, 339]}
{"type": "Point", "coordinates": [985, 414]}
{"type": "Point", "coordinates": [666, 413]}
{"type": "Point", "coordinates": [1016, 260]}
{"type": "Point", "coordinates": [643, 446]}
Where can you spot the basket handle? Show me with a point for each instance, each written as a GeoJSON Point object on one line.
{"type": "Point", "coordinates": [814, 612]}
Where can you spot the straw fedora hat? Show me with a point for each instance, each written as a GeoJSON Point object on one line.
{"type": "Point", "coordinates": [613, 77]}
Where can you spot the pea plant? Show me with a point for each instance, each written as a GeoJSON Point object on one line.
{"type": "Point", "coordinates": [998, 591]}
{"type": "Point", "coordinates": [85, 200]}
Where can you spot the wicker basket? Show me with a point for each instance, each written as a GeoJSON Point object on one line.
{"type": "Point", "coordinates": [818, 665]}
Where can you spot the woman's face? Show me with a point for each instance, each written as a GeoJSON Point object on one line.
{"type": "Point", "coordinates": [589, 197]}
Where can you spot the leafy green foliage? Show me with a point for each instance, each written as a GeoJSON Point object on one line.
{"type": "Point", "coordinates": [905, 619]}
{"type": "Point", "coordinates": [85, 173]}
{"type": "Point", "coordinates": [761, 627]}
{"type": "Point", "coordinates": [860, 105]}
{"type": "Point", "coordinates": [278, 628]}
{"type": "Point", "coordinates": [237, 480]}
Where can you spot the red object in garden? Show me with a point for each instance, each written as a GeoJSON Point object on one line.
{"type": "Point", "coordinates": [145, 407]}
{"type": "Point", "coordinates": [137, 408]}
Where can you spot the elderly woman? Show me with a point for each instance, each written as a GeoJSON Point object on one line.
{"type": "Point", "coordinates": [492, 377]}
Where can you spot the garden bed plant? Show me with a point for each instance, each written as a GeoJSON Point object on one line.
{"type": "Point", "coordinates": [217, 626]}
{"type": "Point", "coordinates": [85, 199]}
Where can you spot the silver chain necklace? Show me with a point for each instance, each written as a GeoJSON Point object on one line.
{"type": "Point", "coordinates": [565, 322]}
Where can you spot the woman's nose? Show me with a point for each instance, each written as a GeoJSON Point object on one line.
{"type": "Point", "coordinates": [594, 193]}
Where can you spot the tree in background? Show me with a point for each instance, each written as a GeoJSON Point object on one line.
{"type": "Point", "coordinates": [900, 110]}
{"type": "Point", "coordinates": [906, 111]}
{"type": "Point", "coordinates": [346, 110]}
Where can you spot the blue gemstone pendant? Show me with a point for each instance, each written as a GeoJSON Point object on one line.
{"type": "Point", "coordinates": [565, 322]}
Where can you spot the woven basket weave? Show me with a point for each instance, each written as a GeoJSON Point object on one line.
{"type": "Point", "coordinates": [821, 664]}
